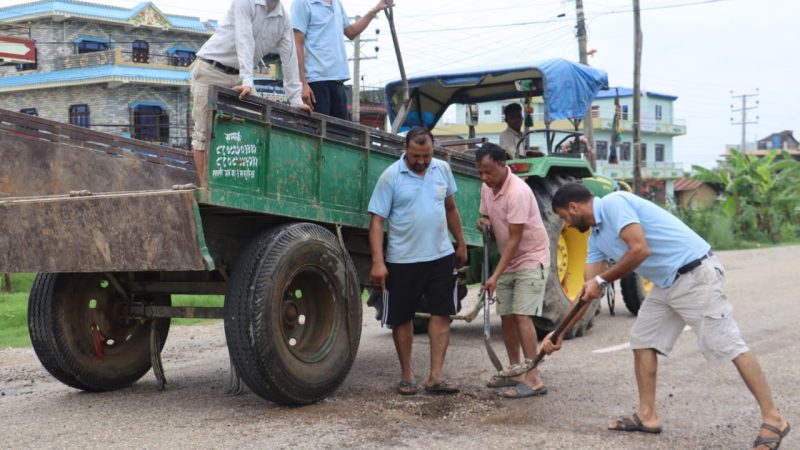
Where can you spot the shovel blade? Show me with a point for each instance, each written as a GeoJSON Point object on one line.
{"type": "Point", "coordinates": [493, 356]}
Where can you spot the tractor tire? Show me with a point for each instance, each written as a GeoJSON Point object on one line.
{"type": "Point", "coordinates": [293, 314]}
{"type": "Point", "coordinates": [81, 336]}
{"type": "Point", "coordinates": [568, 249]}
{"type": "Point", "coordinates": [634, 290]}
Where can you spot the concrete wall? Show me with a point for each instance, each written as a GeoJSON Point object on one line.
{"type": "Point", "coordinates": [107, 106]}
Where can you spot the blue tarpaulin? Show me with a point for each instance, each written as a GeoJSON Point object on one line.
{"type": "Point", "coordinates": [567, 89]}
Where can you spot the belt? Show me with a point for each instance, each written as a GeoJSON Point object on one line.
{"type": "Point", "coordinates": [691, 265]}
{"type": "Point", "coordinates": [222, 67]}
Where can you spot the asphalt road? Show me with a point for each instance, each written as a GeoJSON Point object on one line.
{"type": "Point", "coordinates": [702, 405]}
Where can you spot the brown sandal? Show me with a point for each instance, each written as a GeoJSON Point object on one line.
{"type": "Point", "coordinates": [772, 443]}
{"type": "Point", "coordinates": [634, 423]}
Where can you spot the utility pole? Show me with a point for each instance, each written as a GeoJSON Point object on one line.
{"type": "Point", "coordinates": [588, 126]}
{"type": "Point", "coordinates": [744, 121]}
{"type": "Point", "coordinates": [637, 75]}
{"type": "Point", "coordinates": [357, 72]}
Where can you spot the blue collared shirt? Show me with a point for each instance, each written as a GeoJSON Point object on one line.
{"type": "Point", "coordinates": [414, 207]}
{"type": "Point", "coordinates": [323, 26]}
{"type": "Point", "coordinates": [672, 243]}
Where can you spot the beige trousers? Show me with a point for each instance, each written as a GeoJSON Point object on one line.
{"type": "Point", "coordinates": [205, 75]}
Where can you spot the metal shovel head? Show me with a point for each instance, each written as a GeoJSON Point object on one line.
{"type": "Point", "coordinates": [487, 336]}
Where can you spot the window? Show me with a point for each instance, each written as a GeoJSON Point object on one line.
{"type": "Point", "coordinates": [141, 52]}
{"type": "Point", "coordinates": [487, 112]}
{"type": "Point", "coordinates": [624, 112]}
{"type": "Point", "coordinates": [182, 58]}
{"type": "Point", "coordinates": [79, 115]}
{"type": "Point", "coordinates": [625, 151]}
{"type": "Point", "coordinates": [602, 149]}
{"type": "Point", "coordinates": [643, 152]}
{"type": "Point", "coordinates": [89, 46]}
{"type": "Point", "coordinates": [658, 112]}
{"type": "Point", "coordinates": [595, 111]}
{"type": "Point", "coordinates": [150, 123]}
{"type": "Point", "coordinates": [659, 152]}
{"type": "Point", "coordinates": [29, 111]}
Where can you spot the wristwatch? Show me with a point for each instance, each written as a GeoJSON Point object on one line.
{"type": "Point", "coordinates": [603, 283]}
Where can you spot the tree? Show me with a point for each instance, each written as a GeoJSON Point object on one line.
{"type": "Point", "coordinates": [761, 194]}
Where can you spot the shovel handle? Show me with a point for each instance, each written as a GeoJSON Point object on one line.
{"type": "Point", "coordinates": [562, 326]}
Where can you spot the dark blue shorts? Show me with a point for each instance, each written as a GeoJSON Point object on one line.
{"type": "Point", "coordinates": [408, 283]}
{"type": "Point", "coordinates": [331, 98]}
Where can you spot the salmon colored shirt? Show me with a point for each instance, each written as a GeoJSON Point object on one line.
{"type": "Point", "coordinates": [514, 203]}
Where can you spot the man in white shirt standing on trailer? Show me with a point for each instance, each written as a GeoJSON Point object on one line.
{"type": "Point", "coordinates": [250, 30]}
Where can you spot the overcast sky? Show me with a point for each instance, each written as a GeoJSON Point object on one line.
{"type": "Point", "coordinates": [697, 50]}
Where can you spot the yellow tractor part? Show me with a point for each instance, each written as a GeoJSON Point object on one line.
{"type": "Point", "coordinates": [571, 260]}
{"type": "Point", "coordinates": [647, 286]}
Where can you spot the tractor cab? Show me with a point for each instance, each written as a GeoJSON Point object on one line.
{"type": "Point", "coordinates": [560, 89]}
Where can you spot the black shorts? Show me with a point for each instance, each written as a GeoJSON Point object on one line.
{"type": "Point", "coordinates": [331, 98]}
{"type": "Point", "coordinates": [407, 283]}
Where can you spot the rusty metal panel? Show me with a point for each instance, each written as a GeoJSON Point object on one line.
{"type": "Point", "coordinates": [39, 157]}
{"type": "Point", "coordinates": [142, 231]}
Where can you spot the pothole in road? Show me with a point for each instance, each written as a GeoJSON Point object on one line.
{"type": "Point", "coordinates": [463, 404]}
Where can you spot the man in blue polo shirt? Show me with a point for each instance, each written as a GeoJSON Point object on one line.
{"type": "Point", "coordinates": [318, 28]}
{"type": "Point", "coordinates": [689, 290]}
{"type": "Point", "coordinates": [415, 195]}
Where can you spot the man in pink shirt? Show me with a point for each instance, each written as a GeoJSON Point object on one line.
{"type": "Point", "coordinates": [510, 209]}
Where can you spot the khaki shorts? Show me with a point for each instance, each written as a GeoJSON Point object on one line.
{"type": "Point", "coordinates": [205, 75]}
{"type": "Point", "coordinates": [521, 292]}
{"type": "Point", "coordinates": [696, 299]}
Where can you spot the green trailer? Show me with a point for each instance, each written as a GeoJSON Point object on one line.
{"type": "Point", "coordinates": [114, 227]}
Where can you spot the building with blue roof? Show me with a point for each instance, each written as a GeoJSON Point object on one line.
{"type": "Point", "coordinates": [120, 70]}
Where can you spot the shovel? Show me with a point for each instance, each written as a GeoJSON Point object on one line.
{"type": "Point", "coordinates": [561, 327]}
{"type": "Point", "coordinates": [486, 299]}
{"type": "Point", "coordinates": [554, 338]}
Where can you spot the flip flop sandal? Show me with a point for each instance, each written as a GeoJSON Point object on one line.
{"type": "Point", "coordinates": [634, 423]}
{"type": "Point", "coordinates": [407, 387]}
{"type": "Point", "coordinates": [499, 382]}
{"type": "Point", "coordinates": [445, 387]}
{"type": "Point", "coordinates": [772, 443]}
{"type": "Point", "coordinates": [522, 390]}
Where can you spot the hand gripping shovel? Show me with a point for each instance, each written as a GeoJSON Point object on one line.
{"type": "Point", "coordinates": [562, 327]}
{"type": "Point", "coordinates": [486, 299]}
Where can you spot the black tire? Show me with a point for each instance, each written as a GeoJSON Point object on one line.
{"type": "Point", "coordinates": [556, 302]}
{"type": "Point", "coordinates": [633, 292]}
{"type": "Point", "coordinates": [80, 335]}
{"type": "Point", "coordinates": [293, 314]}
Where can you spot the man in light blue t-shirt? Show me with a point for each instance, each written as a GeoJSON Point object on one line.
{"type": "Point", "coordinates": [318, 28]}
{"type": "Point", "coordinates": [415, 195]}
{"type": "Point", "coordinates": [689, 290]}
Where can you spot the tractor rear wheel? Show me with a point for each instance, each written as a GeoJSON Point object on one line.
{"type": "Point", "coordinates": [568, 250]}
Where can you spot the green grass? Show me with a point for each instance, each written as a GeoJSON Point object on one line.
{"type": "Point", "coordinates": [14, 320]}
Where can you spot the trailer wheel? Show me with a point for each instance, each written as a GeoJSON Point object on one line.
{"type": "Point", "coordinates": [634, 290]}
{"type": "Point", "coordinates": [293, 314]}
{"type": "Point", "coordinates": [81, 336]}
{"type": "Point", "coordinates": [568, 250]}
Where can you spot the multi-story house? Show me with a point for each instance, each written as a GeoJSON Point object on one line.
{"type": "Point", "coordinates": [658, 127]}
{"type": "Point", "coordinates": [118, 70]}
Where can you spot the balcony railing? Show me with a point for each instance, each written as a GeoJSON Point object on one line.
{"type": "Point", "coordinates": [649, 125]}
{"type": "Point", "coordinates": [649, 169]}
{"type": "Point", "coordinates": [118, 57]}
